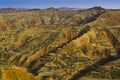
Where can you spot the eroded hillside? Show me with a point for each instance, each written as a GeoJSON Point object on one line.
{"type": "Point", "coordinates": [110, 18]}
{"type": "Point", "coordinates": [54, 44]}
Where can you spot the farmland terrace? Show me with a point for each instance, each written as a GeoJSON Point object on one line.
{"type": "Point", "coordinates": [53, 44]}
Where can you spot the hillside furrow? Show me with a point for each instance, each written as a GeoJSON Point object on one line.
{"type": "Point", "coordinates": [103, 61]}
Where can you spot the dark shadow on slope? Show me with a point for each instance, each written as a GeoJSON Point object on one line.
{"type": "Point", "coordinates": [96, 65]}
{"type": "Point", "coordinates": [92, 18]}
{"type": "Point", "coordinates": [82, 32]}
{"type": "Point", "coordinates": [115, 43]}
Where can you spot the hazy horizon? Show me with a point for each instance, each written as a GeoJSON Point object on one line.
{"type": "Point", "coordinates": [108, 4]}
{"type": "Point", "coordinates": [49, 7]}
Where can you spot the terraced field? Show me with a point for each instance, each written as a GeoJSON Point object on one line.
{"type": "Point", "coordinates": [70, 48]}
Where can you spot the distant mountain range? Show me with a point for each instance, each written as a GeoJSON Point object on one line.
{"type": "Point", "coordinates": [67, 8]}
{"type": "Point", "coordinates": [11, 10]}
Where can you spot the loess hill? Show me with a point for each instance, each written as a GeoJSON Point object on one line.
{"type": "Point", "coordinates": [55, 44]}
